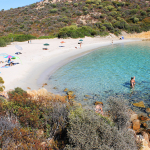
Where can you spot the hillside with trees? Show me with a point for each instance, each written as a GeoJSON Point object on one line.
{"type": "Point", "coordinates": [77, 18]}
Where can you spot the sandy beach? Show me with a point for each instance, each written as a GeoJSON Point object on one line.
{"type": "Point", "coordinates": [36, 65]}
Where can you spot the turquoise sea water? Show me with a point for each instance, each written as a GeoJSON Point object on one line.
{"type": "Point", "coordinates": [107, 71]}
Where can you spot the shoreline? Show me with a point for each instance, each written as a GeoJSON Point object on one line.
{"type": "Point", "coordinates": [45, 76]}
{"type": "Point", "coordinates": [38, 65]}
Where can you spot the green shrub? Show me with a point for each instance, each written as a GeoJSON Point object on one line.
{"type": "Point", "coordinates": [108, 26]}
{"type": "Point", "coordinates": [75, 4]}
{"type": "Point", "coordinates": [100, 6]}
{"type": "Point", "coordinates": [64, 8]}
{"type": "Point", "coordinates": [54, 5]}
{"type": "Point", "coordinates": [110, 7]}
{"type": "Point", "coordinates": [1, 80]}
{"type": "Point", "coordinates": [88, 130]}
{"type": "Point", "coordinates": [85, 8]}
{"type": "Point", "coordinates": [135, 20]}
{"type": "Point", "coordinates": [2, 43]}
{"type": "Point", "coordinates": [47, 37]}
{"type": "Point", "coordinates": [143, 13]}
{"type": "Point", "coordinates": [1, 89]}
{"type": "Point", "coordinates": [133, 11]}
{"type": "Point", "coordinates": [19, 91]}
{"type": "Point", "coordinates": [148, 10]}
{"type": "Point", "coordinates": [54, 10]}
{"type": "Point", "coordinates": [119, 112]}
{"type": "Point", "coordinates": [113, 13]}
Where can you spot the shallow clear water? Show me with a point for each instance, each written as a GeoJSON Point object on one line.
{"type": "Point", "coordinates": [107, 71]}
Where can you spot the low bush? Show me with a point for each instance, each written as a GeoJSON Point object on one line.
{"type": "Point", "coordinates": [75, 32]}
{"type": "Point", "coordinates": [119, 112]}
{"type": "Point", "coordinates": [2, 43]}
{"type": "Point", "coordinates": [88, 130]}
{"type": "Point", "coordinates": [18, 91]}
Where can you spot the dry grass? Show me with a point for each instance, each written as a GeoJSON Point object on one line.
{"type": "Point", "coordinates": [139, 35]}
{"type": "Point", "coordinates": [46, 95]}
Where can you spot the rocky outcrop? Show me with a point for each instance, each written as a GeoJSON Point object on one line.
{"type": "Point", "coordinates": [136, 124]}
{"type": "Point", "coordinates": [140, 104]}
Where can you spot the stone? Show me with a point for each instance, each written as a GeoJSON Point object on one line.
{"type": "Point", "coordinates": [136, 124]}
{"type": "Point", "coordinates": [40, 133]}
{"type": "Point", "coordinates": [43, 144]}
{"type": "Point", "coordinates": [144, 125]}
{"type": "Point", "coordinates": [145, 136]}
{"type": "Point", "coordinates": [148, 110]}
{"type": "Point", "coordinates": [65, 90]}
{"type": "Point", "coordinates": [140, 104]}
{"type": "Point", "coordinates": [98, 103]}
{"type": "Point", "coordinates": [87, 96]}
{"type": "Point", "coordinates": [50, 142]}
{"type": "Point", "coordinates": [70, 93]}
{"type": "Point", "coordinates": [85, 99]}
{"type": "Point", "coordinates": [133, 117]}
{"type": "Point", "coordinates": [145, 145]}
{"type": "Point", "coordinates": [143, 118]}
{"type": "Point", "coordinates": [54, 87]}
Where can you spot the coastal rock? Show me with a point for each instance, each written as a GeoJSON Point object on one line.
{"type": "Point", "coordinates": [148, 110]}
{"type": "Point", "coordinates": [136, 124]}
{"type": "Point", "coordinates": [76, 103]}
{"type": "Point", "coordinates": [98, 103]}
{"type": "Point", "coordinates": [133, 117]}
{"type": "Point", "coordinates": [145, 145]}
{"type": "Point", "coordinates": [40, 133]}
{"type": "Point", "coordinates": [85, 99]}
{"type": "Point", "coordinates": [144, 125]}
{"type": "Point", "coordinates": [143, 118]}
{"type": "Point", "coordinates": [54, 87]}
{"type": "Point", "coordinates": [70, 93]}
{"type": "Point", "coordinates": [140, 104]}
{"type": "Point", "coordinates": [145, 136]}
{"type": "Point", "coordinates": [43, 144]}
{"type": "Point", "coordinates": [65, 90]}
{"type": "Point", "coordinates": [50, 142]}
{"type": "Point", "coordinates": [87, 96]}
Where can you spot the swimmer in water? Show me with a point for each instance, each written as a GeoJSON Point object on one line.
{"type": "Point", "coordinates": [132, 82]}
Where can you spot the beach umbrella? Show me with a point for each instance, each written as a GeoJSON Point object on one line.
{"type": "Point", "coordinates": [46, 44]}
{"type": "Point", "coordinates": [3, 54]}
{"type": "Point", "coordinates": [18, 47]}
{"type": "Point", "coordinates": [8, 56]}
{"type": "Point", "coordinates": [80, 40]}
{"type": "Point", "coordinates": [15, 57]}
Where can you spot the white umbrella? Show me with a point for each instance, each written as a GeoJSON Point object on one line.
{"type": "Point", "coordinates": [18, 47]}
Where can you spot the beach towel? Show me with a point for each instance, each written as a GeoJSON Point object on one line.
{"type": "Point", "coordinates": [5, 66]}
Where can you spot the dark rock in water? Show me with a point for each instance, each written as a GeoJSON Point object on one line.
{"type": "Point", "coordinates": [65, 90]}
{"type": "Point", "coordinates": [97, 95]}
{"type": "Point", "coordinates": [70, 93]}
{"type": "Point", "coordinates": [98, 103]}
{"type": "Point", "coordinates": [94, 97]}
{"type": "Point", "coordinates": [88, 96]}
{"type": "Point", "coordinates": [54, 87]}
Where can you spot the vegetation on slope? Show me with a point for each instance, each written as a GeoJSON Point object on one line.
{"type": "Point", "coordinates": [42, 120]}
{"type": "Point", "coordinates": [99, 16]}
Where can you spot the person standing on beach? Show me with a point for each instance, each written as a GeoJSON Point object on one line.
{"type": "Point", "coordinates": [112, 41]}
{"type": "Point", "coordinates": [80, 44]}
